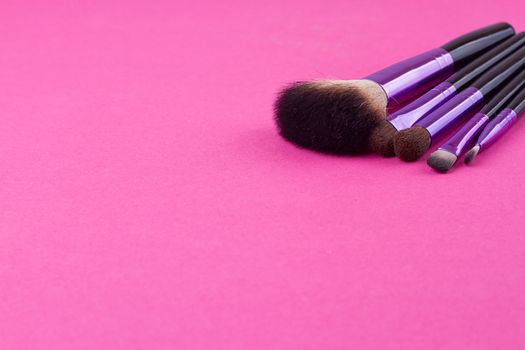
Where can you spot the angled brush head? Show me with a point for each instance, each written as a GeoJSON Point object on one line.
{"type": "Point", "coordinates": [471, 155]}
{"type": "Point", "coordinates": [333, 116]}
{"type": "Point", "coordinates": [381, 139]}
{"type": "Point", "coordinates": [410, 144]}
{"type": "Point", "coordinates": [441, 160]}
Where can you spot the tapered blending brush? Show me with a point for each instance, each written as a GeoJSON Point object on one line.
{"type": "Point", "coordinates": [498, 126]}
{"type": "Point", "coordinates": [336, 116]}
{"type": "Point", "coordinates": [444, 158]}
{"type": "Point", "coordinates": [410, 144]}
{"type": "Point", "coordinates": [381, 139]}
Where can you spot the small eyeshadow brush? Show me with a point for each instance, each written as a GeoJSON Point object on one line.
{"type": "Point", "coordinates": [381, 140]}
{"type": "Point", "coordinates": [410, 144]}
{"type": "Point", "coordinates": [444, 158]}
{"type": "Point", "coordinates": [498, 126]}
{"type": "Point", "coordinates": [336, 116]}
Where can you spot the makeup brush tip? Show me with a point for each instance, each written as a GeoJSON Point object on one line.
{"type": "Point", "coordinates": [332, 116]}
{"type": "Point", "coordinates": [471, 155]}
{"type": "Point", "coordinates": [381, 139]}
{"type": "Point", "coordinates": [410, 144]}
{"type": "Point", "coordinates": [441, 160]}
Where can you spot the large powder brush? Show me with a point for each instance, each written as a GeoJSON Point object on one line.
{"type": "Point", "coordinates": [444, 158]}
{"type": "Point", "coordinates": [381, 139]}
{"type": "Point", "coordinates": [336, 116]}
{"type": "Point", "coordinates": [410, 144]}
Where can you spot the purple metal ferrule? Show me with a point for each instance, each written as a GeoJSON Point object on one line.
{"type": "Point", "coordinates": [407, 79]}
{"type": "Point", "coordinates": [497, 127]}
{"type": "Point", "coordinates": [417, 109]}
{"type": "Point", "coordinates": [459, 107]}
{"type": "Point", "coordinates": [465, 136]}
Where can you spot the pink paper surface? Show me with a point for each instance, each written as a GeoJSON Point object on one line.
{"type": "Point", "coordinates": [147, 201]}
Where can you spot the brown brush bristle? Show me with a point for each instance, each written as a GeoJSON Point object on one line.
{"type": "Point", "coordinates": [441, 160]}
{"type": "Point", "coordinates": [330, 116]}
{"type": "Point", "coordinates": [410, 144]}
{"type": "Point", "coordinates": [471, 155]}
{"type": "Point", "coordinates": [381, 139]}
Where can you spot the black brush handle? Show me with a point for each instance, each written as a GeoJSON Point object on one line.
{"type": "Point", "coordinates": [474, 69]}
{"type": "Point", "coordinates": [497, 75]}
{"type": "Point", "coordinates": [479, 40]}
{"type": "Point", "coordinates": [518, 103]}
{"type": "Point", "coordinates": [502, 98]}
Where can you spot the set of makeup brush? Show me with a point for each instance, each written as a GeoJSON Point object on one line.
{"type": "Point", "coordinates": [477, 79]}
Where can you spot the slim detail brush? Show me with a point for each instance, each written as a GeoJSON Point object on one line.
{"type": "Point", "coordinates": [444, 158]}
{"type": "Point", "coordinates": [410, 144]}
{"type": "Point", "coordinates": [381, 138]}
{"type": "Point", "coordinates": [498, 126]}
{"type": "Point", "coordinates": [336, 116]}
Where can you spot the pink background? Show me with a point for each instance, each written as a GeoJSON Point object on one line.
{"type": "Point", "coordinates": [147, 202]}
